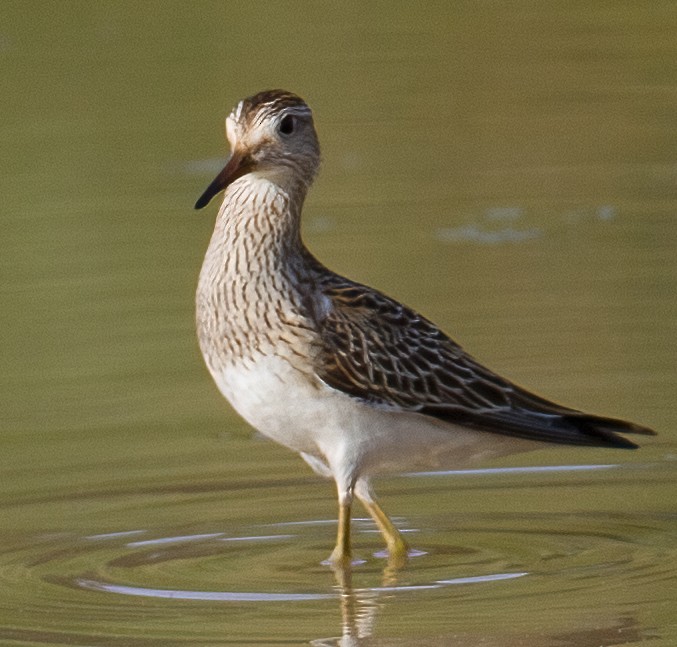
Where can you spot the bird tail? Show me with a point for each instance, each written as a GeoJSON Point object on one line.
{"type": "Point", "coordinates": [602, 431]}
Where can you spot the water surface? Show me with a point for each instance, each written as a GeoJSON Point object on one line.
{"type": "Point", "coordinates": [508, 171]}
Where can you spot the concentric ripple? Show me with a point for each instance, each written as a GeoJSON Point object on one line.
{"type": "Point", "coordinates": [191, 566]}
{"type": "Point", "coordinates": [180, 581]}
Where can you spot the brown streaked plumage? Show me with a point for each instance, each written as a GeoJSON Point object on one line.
{"type": "Point", "coordinates": [354, 381]}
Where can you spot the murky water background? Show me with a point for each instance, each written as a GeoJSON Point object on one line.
{"type": "Point", "coordinates": [509, 170]}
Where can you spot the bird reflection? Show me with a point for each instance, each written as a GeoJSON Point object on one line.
{"type": "Point", "coordinates": [359, 608]}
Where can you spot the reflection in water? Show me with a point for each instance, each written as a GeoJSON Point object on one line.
{"type": "Point", "coordinates": [360, 607]}
{"type": "Point", "coordinates": [502, 567]}
{"type": "Point", "coordinates": [500, 225]}
{"type": "Point", "coordinates": [212, 596]}
{"type": "Point", "coordinates": [343, 577]}
{"type": "Point", "coordinates": [531, 469]}
{"type": "Point", "coordinates": [506, 168]}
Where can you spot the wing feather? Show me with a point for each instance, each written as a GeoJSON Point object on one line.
{"type": "Point", "coordinates": [375, 349]}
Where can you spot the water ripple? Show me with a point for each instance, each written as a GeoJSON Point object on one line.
{"type": "Point", "coordinates": [493, 563]}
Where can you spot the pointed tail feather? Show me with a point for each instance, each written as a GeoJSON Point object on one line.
{"type": "Point", "coordinates": [561, 426]}
{"type": "Point", "coordinates": [606, 430]}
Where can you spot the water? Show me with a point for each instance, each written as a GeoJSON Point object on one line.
{"type": "Point", "coordinates": [508, 171]}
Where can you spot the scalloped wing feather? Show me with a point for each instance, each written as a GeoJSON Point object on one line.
{"type": "Point", "coordinates": [375, 349]}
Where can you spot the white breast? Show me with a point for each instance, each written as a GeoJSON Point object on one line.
{"type": "Point", "coordinates": [280, 401]}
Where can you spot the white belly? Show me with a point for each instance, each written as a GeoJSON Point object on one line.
{"type": "Point", "coordinates": [351, 437]}
{"type": "Point", "coordinates": [278, 400]}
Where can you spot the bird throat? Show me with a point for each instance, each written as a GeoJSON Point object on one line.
{"type": "Point", "coordinates": [248, 287]}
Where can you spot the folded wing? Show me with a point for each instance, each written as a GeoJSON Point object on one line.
{"type": "Point", "coordinates": [379, 351]}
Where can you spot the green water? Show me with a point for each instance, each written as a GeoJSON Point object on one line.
{"type": "Point", "coordinates": [508, 170]}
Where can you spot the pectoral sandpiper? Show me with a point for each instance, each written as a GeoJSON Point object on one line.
{"type": "Point", "coordinates": [354, 381]}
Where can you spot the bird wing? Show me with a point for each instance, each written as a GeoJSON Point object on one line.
{"type": "Point", "coordinates": [381, 352]}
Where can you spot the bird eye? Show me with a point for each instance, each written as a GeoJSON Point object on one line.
{"type": "Point", "coordinates": [286, 126]}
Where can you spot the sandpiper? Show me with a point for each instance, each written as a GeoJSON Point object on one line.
{"type": "Point", "coordinates": [354, 381]}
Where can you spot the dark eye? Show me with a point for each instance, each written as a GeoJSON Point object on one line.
{"type": "Point", "coordinates": [286, 126]}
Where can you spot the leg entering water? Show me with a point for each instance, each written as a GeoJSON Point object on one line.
{"type": "Point", "coordinates": [397, 546]}
{"type": "Point", "coordinates": [342, 552]}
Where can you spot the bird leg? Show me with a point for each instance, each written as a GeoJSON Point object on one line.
{"type": "Point", "coordinates": [341, 553]}
{"type": "Point", "coordinates": [397, 546]}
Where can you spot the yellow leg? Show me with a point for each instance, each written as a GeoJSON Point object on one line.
{"type": "Point", "coordinates": [341, 554]}
{"type": "Point", "coordinates": [397, 547]}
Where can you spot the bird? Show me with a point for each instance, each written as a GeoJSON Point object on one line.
{"type": "Point", "coordinates": [355, 382]}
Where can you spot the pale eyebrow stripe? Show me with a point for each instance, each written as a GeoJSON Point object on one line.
{"type": "Point", "coordinates": [267, 110]}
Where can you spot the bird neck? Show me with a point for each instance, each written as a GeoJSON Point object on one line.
{"type": "Point", "coordinates": [258, 230]}
{"type": "Point", "coordinates": [250, 278]}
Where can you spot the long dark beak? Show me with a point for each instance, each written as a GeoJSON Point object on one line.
{"type": "Point", "coordinates": [237, 166]}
